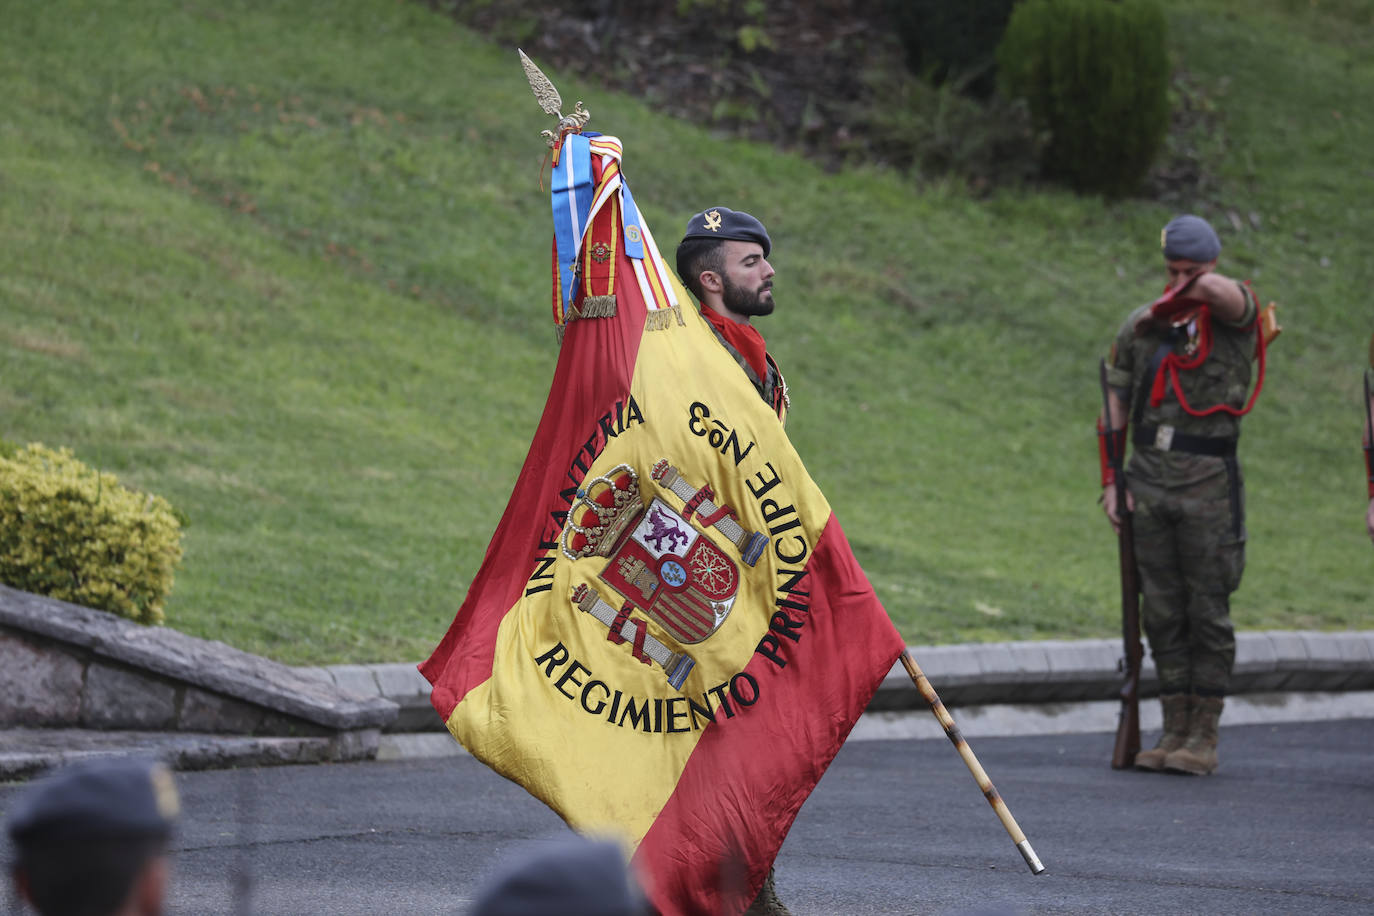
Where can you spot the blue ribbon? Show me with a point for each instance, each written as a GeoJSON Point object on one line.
{"type": "Point", "coordinates": [634, 235]}
{"type": "Point", "coordinates": [571, 197]}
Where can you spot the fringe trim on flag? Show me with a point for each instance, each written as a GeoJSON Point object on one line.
{"type": "Point", "coordinates": [598, 307]}
{"type": "Point", "coordinates": [662, 319]}
{"type": "Point", "coordinates": [572, 315]}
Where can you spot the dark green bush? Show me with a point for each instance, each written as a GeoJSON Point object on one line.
{"type": "Point", "coordinates": [932, 132]}
{"type": "Point", "coordinates": [1096, 76]}
{"type": "Point", "coordinates": [952, 41]}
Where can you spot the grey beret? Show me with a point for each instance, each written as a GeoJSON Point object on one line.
{"type": "Point", "coordinates": [104, 798]}
{"type": "Point", "coordinates": [572, 877]}
{"type": "Point", "coordinates": [724, 223]}
{"type": "Point", "coordinates": [1189, 238]}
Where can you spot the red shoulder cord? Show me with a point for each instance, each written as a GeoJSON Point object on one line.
{"type": "Point", "coordinates": [1173, 364]}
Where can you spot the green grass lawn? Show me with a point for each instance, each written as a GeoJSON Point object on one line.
{"type": "Point", "coordinates": [287, 265]}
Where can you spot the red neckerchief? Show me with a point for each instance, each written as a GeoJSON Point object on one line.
{"type": "Point", "coordinates": [745, 338]}
{"type": "Point", "coordinates": [1173, 363]}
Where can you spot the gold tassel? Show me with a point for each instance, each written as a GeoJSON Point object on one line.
{"type": "Point", "coordinates": [571, 315]}
{"type": "Point", "coordinates": [662, 319]}
{"type": "Point", "coordinates": [598, 307]}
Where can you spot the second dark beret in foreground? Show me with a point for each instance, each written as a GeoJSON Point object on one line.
{"type": "Point", "coordinates": [100, 799]}
{"type": "Point", "coordinates": [573, 876]}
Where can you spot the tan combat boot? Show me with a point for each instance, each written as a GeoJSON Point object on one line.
{"type": "Point", "coordinates": [1198, 755]}
{"type": "Point", "coordinates": [767, 902]}
{"type": "Point", "coordinates": [1175, 707]}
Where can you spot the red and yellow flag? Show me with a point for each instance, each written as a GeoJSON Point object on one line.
{"type": "Point", "coordinates": [669, 636]}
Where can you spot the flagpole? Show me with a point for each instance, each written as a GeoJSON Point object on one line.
{"type": "Point", "coordinates": [937, 706]}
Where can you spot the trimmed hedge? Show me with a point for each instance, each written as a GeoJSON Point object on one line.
{"type": "Point", "coordinates": [1096, 76]}
{"type": "Point", "coordinates": [952, 40]}
{"type": "Point", "coordinates": [73, 533]}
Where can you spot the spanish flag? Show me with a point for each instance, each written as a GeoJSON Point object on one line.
{"type": "Point", "coordinates": [669, 637]}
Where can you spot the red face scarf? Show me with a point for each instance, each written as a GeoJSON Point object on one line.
{"type": "Point", "coordinates": [743, 337]}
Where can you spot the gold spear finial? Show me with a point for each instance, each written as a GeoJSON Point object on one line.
{"type": "Point", "coordinates": [552, 103]}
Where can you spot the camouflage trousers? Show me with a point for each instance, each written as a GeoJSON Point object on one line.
{"type": "Point", "coordinates": [1190, 549]}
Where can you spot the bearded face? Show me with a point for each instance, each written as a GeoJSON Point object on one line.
{"type": "Point", "coordinates": [749, 299]}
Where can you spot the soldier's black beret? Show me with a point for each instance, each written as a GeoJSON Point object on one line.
{"type": "Point", "coordinates": [1189, 238]}
{"type": "Point", "coordinates": [573, 877]}
{"type": "Point", "coordinates": [724, 223]}
{"type": "Point", "coordinates": [100, 799]}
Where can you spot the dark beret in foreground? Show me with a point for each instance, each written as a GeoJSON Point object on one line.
{"type": "Point", "coordinates": [105, 798]}
{"type": "Point", "coordinates": [1189, 238]}
{"type": "Point", "coordinates": [571, 877]}
{"type": "Point", "coordinates": [724, 223]}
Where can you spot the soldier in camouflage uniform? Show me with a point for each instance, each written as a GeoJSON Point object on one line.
{"type": "Point", "coordinates": [1179, 373]}
{"type": "Point", "coordinates": [723, 260]}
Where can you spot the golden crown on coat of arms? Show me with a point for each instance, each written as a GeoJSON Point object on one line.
{"type": "Point", "coordinates": [604, 508]}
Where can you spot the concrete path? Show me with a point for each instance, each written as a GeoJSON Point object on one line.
{"type": "Point", "coordinates": [894, 827]}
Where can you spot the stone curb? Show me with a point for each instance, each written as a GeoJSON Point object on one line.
{"type": "Point", "coordinates": [1002, 720]}
{"type": "Point", "coordinates": [63, 664]}
{"type": "Point", "coordinates": [26, 752]}
{"type": "Point", "coordinates": [98, 684]}
{"type": "Point", "coordinates": [397, 682]}
{"type": "Point", "coordinates": [1055, 671]}
{"type": "Point", "coordinates": [1009, 720]}
{"type": "Point", "coordinates": [1044, 671]}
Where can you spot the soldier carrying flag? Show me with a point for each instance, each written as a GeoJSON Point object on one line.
{"type": "Point", "coordinates": [669, 638]}
{"type": "Point", "coordinates": [723, 260]}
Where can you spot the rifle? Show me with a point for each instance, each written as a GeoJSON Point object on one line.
{"type": "Point", "coordinates": [1368, 410]}
{"type": "Point", "coordinates": [1128, 726]}
{"type": "Point", "coordinates": [1369, 422]}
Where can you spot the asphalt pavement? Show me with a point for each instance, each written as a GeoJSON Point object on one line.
{"type": "Point", "coordinates": [897, 826]}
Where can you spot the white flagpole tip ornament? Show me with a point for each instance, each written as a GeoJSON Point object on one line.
{"type": "Point", "coordinates": [552, 103]}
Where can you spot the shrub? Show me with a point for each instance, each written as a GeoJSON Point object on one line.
{"type": "Point", "coordinates": [932, 132]}
{"type": "Point", "coordinates": [1096, 76]}
{"type": "Point", "coordinates": [952, 41]}
{"type": "Point", "coordinates": [72, 533]}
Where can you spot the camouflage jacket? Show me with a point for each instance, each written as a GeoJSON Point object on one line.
{"type": "Point", "coordinates": [1224, 378]}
